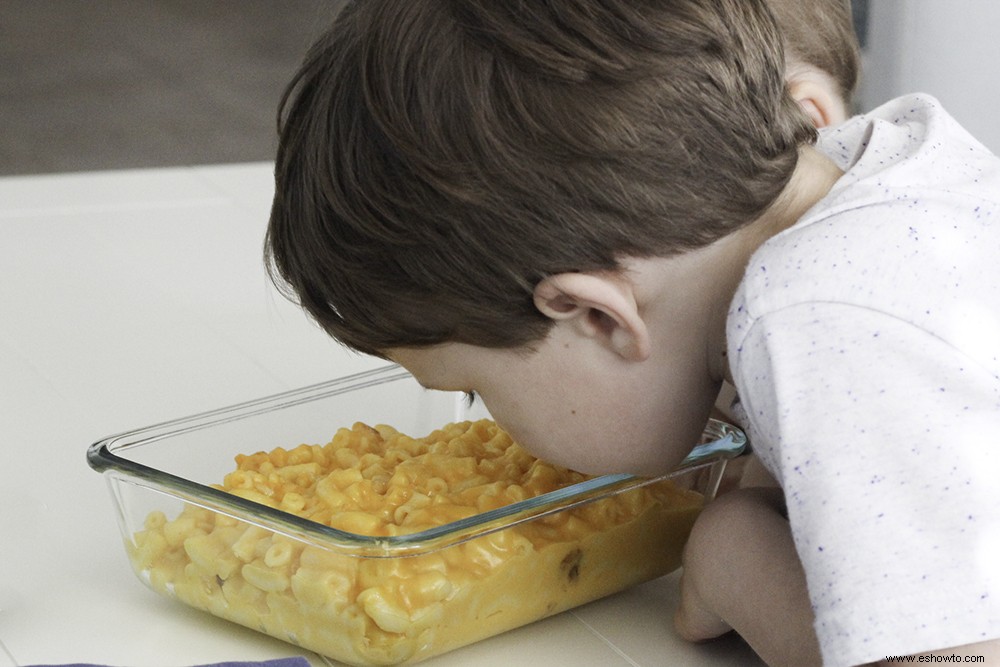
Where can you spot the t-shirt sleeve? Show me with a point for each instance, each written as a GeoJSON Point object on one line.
{"type": "Point", "coordinates": [886, 440]}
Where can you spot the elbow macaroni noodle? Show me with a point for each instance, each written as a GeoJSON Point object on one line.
{"type": "Point", "coordinates": [377, 481]}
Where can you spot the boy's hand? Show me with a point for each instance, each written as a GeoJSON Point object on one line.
{"type": "Point", "coordinates": [741, 572]}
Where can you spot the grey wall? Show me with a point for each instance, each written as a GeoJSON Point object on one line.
{"type": "Point", "coordinates": [110, 84]}
{"type": "Point", "coordinates": [948, 48]}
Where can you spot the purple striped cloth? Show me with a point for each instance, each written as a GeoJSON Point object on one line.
{"type": "Point", "coordinates": [280, 662]}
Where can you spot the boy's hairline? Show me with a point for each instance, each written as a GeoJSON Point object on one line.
{"type": "Point", "coordinates": [528, 339]}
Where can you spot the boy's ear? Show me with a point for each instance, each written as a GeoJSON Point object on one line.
{"type": "Point", "coordinates": [823, 107]}
{"type": "Point", "coordinates": [597, 306]}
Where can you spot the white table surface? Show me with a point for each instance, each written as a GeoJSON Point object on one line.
{"type": "Point", "coordinates": [132, 297]}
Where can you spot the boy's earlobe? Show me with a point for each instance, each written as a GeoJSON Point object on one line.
{"type": "Point", "coordinates": [596, 306]}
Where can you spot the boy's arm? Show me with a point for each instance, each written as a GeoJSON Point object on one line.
{"type": "Point", "coordinates": [763, 597]}
{"type": "Point", "coordinates": [741, 572]}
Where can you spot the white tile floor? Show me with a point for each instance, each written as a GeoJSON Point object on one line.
{"type": "Point", "coordinates": [133, 297]}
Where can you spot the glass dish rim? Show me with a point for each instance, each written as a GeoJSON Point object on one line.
{"type": "Point", "coordinates": [103, 456]}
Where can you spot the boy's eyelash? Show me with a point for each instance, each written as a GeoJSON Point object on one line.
{"type": "Point", "coordinates": [470, 398]}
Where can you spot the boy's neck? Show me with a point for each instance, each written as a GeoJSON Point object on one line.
{"type": "Point", "coordinates": [814, 177]}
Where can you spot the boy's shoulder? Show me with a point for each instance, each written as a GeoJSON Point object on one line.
{"type": "Point", "coordinates": [913, 179]}
{"type": "Point", "coordinates": [910, 142]}
{"type": "Point", "coordinates": [914, 220]}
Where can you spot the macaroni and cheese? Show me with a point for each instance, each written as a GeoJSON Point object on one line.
{"type": "Point", "coordinates": [379, 482]}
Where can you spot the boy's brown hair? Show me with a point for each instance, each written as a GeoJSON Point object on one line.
{"type": "Point", "coordinates": [438, 158]}
{"type": "Point", "coordinates": [820, 33]}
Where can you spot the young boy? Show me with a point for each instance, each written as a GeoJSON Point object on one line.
{"type": "Point", "coordinates": [592, 213]}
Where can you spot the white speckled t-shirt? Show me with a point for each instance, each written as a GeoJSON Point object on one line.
{"type": "Point", "coordinates": [865, 346]}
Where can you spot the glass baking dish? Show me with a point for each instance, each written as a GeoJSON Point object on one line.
{"type": "Point", "coordinates": [382, 600]}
